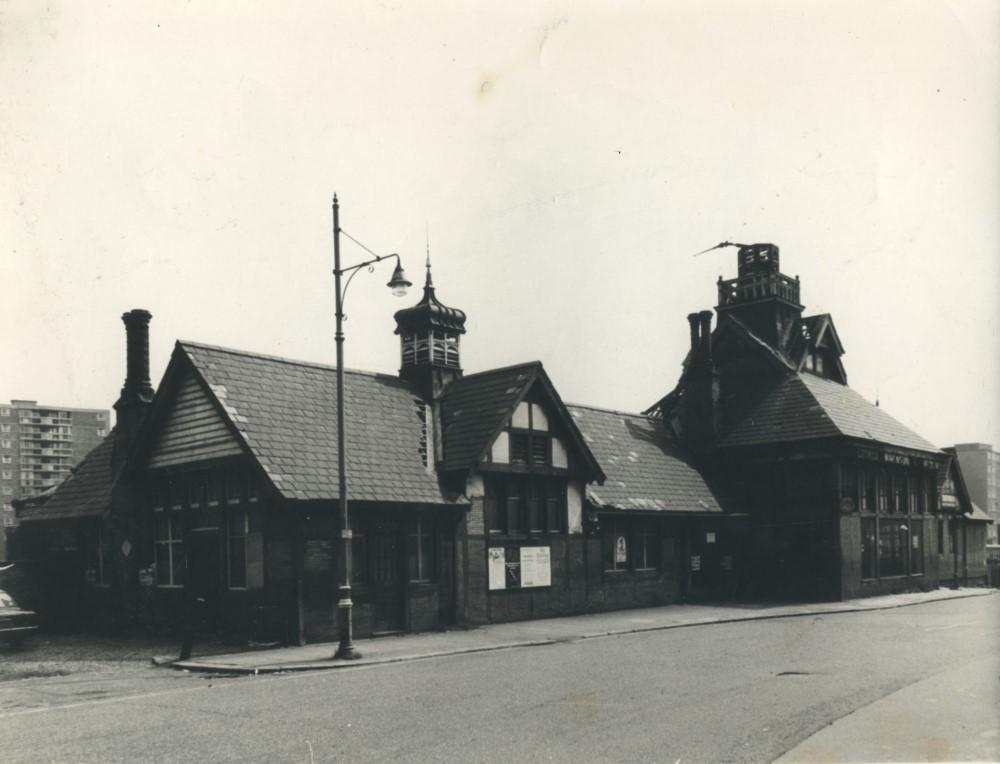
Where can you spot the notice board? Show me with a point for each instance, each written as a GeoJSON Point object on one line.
{"type": "Point", "coordinates": [536, 566]}
{"type": "Point", "coordinates": [515, 567]}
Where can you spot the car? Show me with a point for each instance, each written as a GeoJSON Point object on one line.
{"type": "Point", "coordinates": [15, 623]}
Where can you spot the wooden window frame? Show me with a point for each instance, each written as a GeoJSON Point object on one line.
{"type": "Point", "coordinates": [647, 552]}
{"type": "Point", "coordinates": [423, 568]}
{"type": "Point", "coordinates": [615, 527]}
{"type": "Point", "coordinates": [171, 544]}
{"type": "Point", "coordinates": [231, 536]}
{"type": "Point", "coordinates": [506, 508]}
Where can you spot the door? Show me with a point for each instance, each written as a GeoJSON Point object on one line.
{"type": "Point", "coordinates": [205, 569]}
{"type": "Point", "coordinates": [387, 577]}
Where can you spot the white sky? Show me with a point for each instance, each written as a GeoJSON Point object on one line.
{"type": "Point", "coordinates": [568, 161]}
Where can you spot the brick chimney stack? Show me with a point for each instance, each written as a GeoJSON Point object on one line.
{"type": "Point", "coordinates": [137, 352]}
{"type": "Point", "coordinates": [700, 404]}
{"type": "Point", "coordinates": [137, 392]}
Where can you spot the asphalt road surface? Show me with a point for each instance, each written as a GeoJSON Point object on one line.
{"type": "Point", "coordinates": [745, 691]}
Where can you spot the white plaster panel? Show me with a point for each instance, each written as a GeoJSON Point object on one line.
{"type": "Point", "coordinates": [500, 450]}
{"type": "Point", "coordinates": [520, 418]}
{"type": "Point", "coordinates": [539, 420]}
{"type": "Point", "coordinates": [559, 457]}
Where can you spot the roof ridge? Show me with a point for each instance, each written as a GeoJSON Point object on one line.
{"type": "Point", "coordinates": [500, 369]}
{"type": "Point", "coordinates": [609, 411]}
{"type": "Point", "coordinates": [283, 359]}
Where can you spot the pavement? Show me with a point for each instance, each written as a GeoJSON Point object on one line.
{"type": "Point", "coordinates": [549, 631]}
{"type": "Point", "coordinates": [918, 722]}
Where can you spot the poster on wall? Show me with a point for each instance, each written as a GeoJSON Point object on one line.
{"type": "Point", "coordinates": [496, 566]}
{"type": "Point", "coordinates": [536, 566]}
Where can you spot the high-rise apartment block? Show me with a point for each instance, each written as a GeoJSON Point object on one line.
{"type": "Point", "coordinates": [38, 447]}
{"type": "Point", "coordinates": [981, 470]}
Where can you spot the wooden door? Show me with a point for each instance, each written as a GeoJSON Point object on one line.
{"type": "Point", "coordinates": [387, 552]}
{"type": "Point", "coordinates": [206, 572]}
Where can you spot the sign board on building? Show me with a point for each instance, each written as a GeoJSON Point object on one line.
{"type": "Point", "coordinates": [536, 566]}
{"type": "Point", "coordinates": [495, 564]}
{"type": "Point", "coordinates": [621, 549]}
{"type": "Point", "coordinates": [519, 567]}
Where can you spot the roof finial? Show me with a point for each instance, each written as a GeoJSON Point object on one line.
{"type": "Point", "coordinates": [427, 238]}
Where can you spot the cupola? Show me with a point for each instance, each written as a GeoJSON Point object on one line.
{"type": "Point", "coordinates": [429, 335]}
{"type": "Point", "coordinates": [761, 295]}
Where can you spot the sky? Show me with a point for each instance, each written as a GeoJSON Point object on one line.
{"type": "Point", "coordinates": [563, 162]}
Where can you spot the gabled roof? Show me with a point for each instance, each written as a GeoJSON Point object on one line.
{"type": "Point", "coordinates": [85, 493]}
{"type": "Point", "coordinates": [476, 407]}
{"type": "Point", "coordinates": [804, 406]}
{"type": "Point", "coordinates": [645, 469]}
{"type": "Point", "coordinates": [285, 413]}
{"type": "Point", "coordinates": [978, 514]}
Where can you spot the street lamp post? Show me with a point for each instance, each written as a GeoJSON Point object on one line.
{"type": "Point", "coordinates": [398, 284]}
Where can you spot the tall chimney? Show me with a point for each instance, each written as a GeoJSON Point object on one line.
{"type": "Point", "coordinates": [137, 351]}
{"type": "Point", "coordinates": [705, 318]}
{"type": "Point", "coordinates": [693, 321]}
{"type": "Point", "coordinates": [700, 401]}
{"type": "Point", "coordinates": [137, 392]}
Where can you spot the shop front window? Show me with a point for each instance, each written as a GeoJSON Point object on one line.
{"type": "Point", "coordinates": [893, 543]}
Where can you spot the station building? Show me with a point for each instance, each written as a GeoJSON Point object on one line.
{"type": "Point", "coordinates": [483, 497]}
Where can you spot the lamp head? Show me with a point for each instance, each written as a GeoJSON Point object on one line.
{"type": "Point", "coordinates": [398, 283]}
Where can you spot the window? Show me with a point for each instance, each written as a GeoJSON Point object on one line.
{"type": "Point", "coordinates": [6, 459]}
{"type": "Point", "coordinates": [615, 545]}
{"type": "Point", "coordinates": [893, 543]}
{"type": "Point", "coordinates": [213, 490]}
{"type": "Point", "coordinates": [555, 506]}
{"type": "Point", "coordinates": [647, 546]}
{"type": "Point", "coordinates": [916, 546]}
{"type": "Point", "coordinates": [8, 475]}
{"type": "Point", "coordinates": [195, 490]}
{"type": "Point", "coordinates": [849, 483]}
{"type": "Point", "coordinates": [535, 500]}
{"type": "Point", "coordinates": [515, 507]}
{"type": "Point", "coordinates": [4, 411]}
{"type": "Point", "coordinates": [883, 490]}
{"type": "Point", "coordinates": [252, 493]}
{"type": "Point", "coordinates": [234, 491]}
{"type": "Point", "coordinates": [869, 547]}
{"type": "Point", "coordinates": [527, 441]}
{"type": "Point", "coordinates": [525, 504]}
{"type": "Point", "coordinates": [101, 432]}
{"type": "Point", "coordinates": [420, 554]}
{"type": "Point", "coordinates": [101, 416]}
{"type": "Point", "coordinates": [4, 444]}
{"type": "Point", "coordinates": [4, 428]}
{"type": "Point", "coordinates": [169, 550]}
{"type": "Point", "coordinates": [236, 548]}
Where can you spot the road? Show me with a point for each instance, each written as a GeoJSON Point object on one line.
{"type": "Point", "coordinates": [745, 691]}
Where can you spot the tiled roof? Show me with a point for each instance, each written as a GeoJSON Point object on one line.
{"type": "Point", "coordinates": [286, 412]}
{"type": "Point", "coordinates": [85, 493]}
{"type": "Point", "coordinates": [645, 470]}
{"type": "Point", "coordinates": [805, 406]}
{"type": "Point", "coordinates": [474, 408]}
{"type": "Point", "coordinates": [977, 513]}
